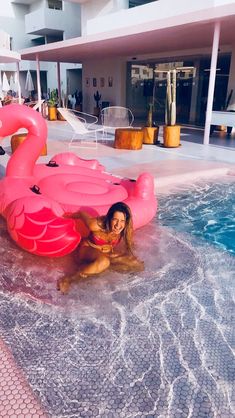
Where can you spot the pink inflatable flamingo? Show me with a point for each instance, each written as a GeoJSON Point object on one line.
{"type": "Point", "coordinates": [34, 197]}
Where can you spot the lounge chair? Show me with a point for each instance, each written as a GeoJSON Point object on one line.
{"type": "Point", "coordinates": [35, 104]}
{"type": "Point", "coordinates": [84, 127]}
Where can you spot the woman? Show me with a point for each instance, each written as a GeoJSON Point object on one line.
{"type": "Point", "coordinates": [96, 253]}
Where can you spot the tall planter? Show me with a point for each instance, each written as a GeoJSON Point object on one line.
{"type": "Point", "coordinates": [52, 105]}
{"type": "Point", "coordinates": [171, 136]}
{"type": "Point", "coordinates": [171, 131]}
{"type": "Point", "coordinates": [150, 135]}
{"type": "Point", "coordinates": [52, 112]}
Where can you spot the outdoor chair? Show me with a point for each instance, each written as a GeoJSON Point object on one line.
{"type": "Point", "coordinates": [35, 104]}
{"type": "Point", "coordinates": [113, 117]}
{"type": "Point", "coordinates": [84, 127]}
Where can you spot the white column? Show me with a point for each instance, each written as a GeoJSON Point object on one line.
{"type": "Point", "coordinates": [211, 88]}
{"type": "Point", "coordinates": [39, 84]}
{"type": "Point", "coordinates": [59, 82]}
{"type": "Point", "coordinates": [18, 80]}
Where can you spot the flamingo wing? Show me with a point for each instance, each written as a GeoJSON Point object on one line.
{"type": "Point", "coordinates": [40, 230]}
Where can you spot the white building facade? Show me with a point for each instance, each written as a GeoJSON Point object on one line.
{"type": "Point", "coordinates": [125, 47]}
{"type": "Point", "coordinates": [136, 73]}
{"type": "Point", "coordinates": [38, 22]}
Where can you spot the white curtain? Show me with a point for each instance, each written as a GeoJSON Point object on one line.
{"type": "Point", "coordinates": [29, 82]}
{"type": "Point", "coordinates": [5, 84]}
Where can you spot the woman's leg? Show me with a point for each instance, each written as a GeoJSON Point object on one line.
{"type": "Point", "coordinates": [91, 261]}
{"type": "Point", "coordinates": [98, 265]}
{"type": "Point", "coordinates": [125, 263]}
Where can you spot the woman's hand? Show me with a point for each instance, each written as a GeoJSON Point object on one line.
{"type": "Point", "coordinates": [115, 255]}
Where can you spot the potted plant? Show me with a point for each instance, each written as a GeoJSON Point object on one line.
{"type": "Point", "coordinates": [52, 105]}
{"type": "Point", "coordinates": [151, 130]}
{"type": "Point", "coordinates": [97, 98]}
{"type": "Point", "coordinates": [171, 131]}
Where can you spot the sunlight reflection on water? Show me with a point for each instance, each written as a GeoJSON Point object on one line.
{"type": "Point", "coordinates": [155, 343]}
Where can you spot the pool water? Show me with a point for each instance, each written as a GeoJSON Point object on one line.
{"type": "Point", "coordinates": [153, 344]}
{"type": "Point", "coordinates": [204, 210]}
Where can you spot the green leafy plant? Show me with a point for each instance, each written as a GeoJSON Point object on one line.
{"type": "Point", "coordinates": [53, 101]}
{"type": "Point", "coordinates": [170, 111]}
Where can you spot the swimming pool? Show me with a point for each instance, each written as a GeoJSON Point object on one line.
{"type": "Point", "coordinates": [154, 344]}
{"type": "Point", "coordinates": [204, 210]}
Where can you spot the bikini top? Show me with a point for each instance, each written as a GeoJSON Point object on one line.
{"type": "Point", "coordinates": [99, 241]}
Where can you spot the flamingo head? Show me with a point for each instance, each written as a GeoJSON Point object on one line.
{"type": "Point", "coordinates": [8, 124]}
{"type": "Point", "coordinates": [16, 116]}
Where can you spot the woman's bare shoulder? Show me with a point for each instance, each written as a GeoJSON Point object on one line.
{"type": "Point", "coordinates": [96, 224]}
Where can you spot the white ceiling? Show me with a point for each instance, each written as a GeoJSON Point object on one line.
{"type": "Point", "coordinates": [134, 42]}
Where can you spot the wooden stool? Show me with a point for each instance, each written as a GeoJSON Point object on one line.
{"type": "Point", "coordinates": [128, 138]}
{"type": "Point", "coordinates": [150, 135]}
{"type": "Point", "coordinates": [17, 139]}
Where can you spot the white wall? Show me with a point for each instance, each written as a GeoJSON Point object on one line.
{"type": "Point", "coordinates": [93, 9]}
{"type": "Point", "coordinates": [72, 16]}
{"type": "Point", "coordinates": [4, 40]}
{"type": "Point", "coordinates": [12, 21]}
{"type": "Point", "coordinates": [37, 5]}
{"type": "Point", "coordinates": [165, 12]}
{"type": "Point", "coordinates": [105, 68]}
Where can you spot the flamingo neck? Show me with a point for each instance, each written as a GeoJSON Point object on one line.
{"type": "Point", "coordinates": [22, 162]}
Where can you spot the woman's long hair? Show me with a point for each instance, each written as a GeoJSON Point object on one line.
{"type": "Point", "coordinates": [127, 232]}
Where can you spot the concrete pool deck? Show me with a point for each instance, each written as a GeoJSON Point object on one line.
{"type": "Point", "coordinates": [170, 168]}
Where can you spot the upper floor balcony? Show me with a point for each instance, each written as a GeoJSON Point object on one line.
{"type": "Point", "coordinates": [45, 21]}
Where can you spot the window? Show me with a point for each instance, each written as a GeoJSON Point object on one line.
{"type": "Point", "coordinates": [54, 38]}
{"type": "Point", "coordinates": [38, 41]}
{"type": "Point", "coordinates": [55, 4]}
{"type": "Point", "coordinates": [134, 3]}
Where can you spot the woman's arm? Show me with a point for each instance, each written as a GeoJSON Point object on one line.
{"type": "Point", "coordinates": [90, 222]}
